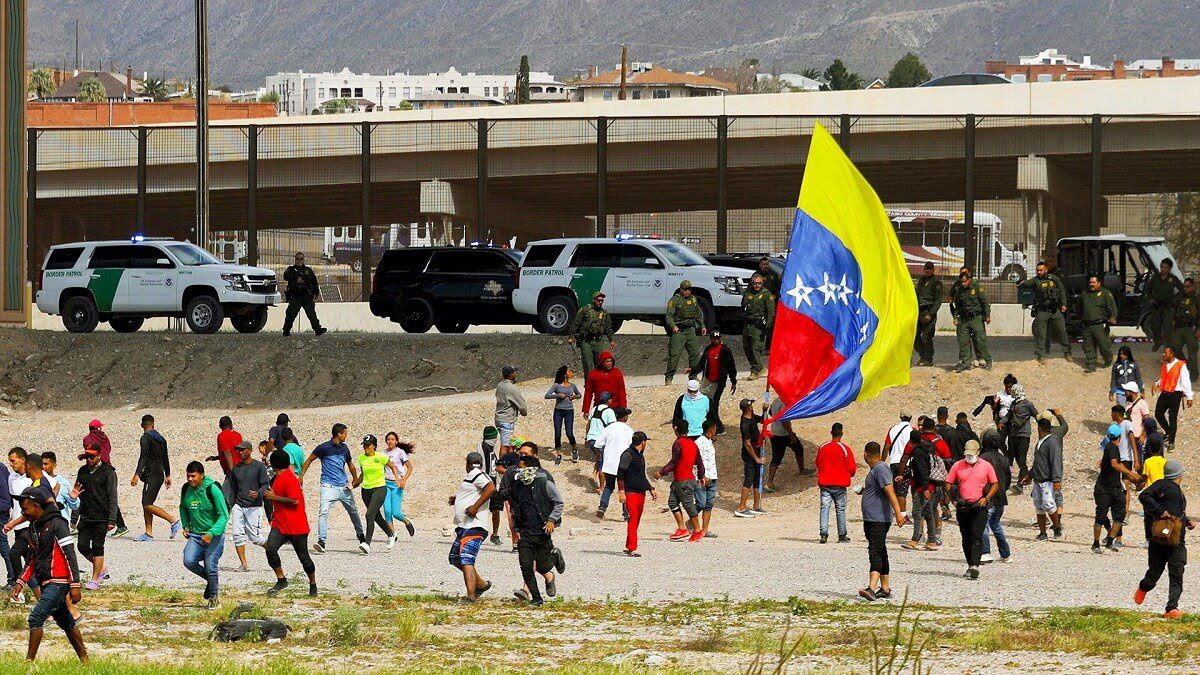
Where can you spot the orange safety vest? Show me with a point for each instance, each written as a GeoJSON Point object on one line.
{"type": "Point", "coordinates": [1169, 380]}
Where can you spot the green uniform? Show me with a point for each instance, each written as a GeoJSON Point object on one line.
{"type": "Point", "coordinates": [929, 300]}
{"type": "Point", "coordinates": [1186, 316]}
{"type": "Point", "coordinates": [1163, 294]}
{"type": "Point", "coordinates": [684, 314]}
{"type": "Point", "coordinates": [771, 280]}
{"type": "Point", "coordinates": [1096, 309]}
{"type": "Point", "coordinates": [302, 289]}
{"type": "Point", "coordinates": [1049, 297]}
{"type": "Point", "coordinates": [593, 332]}
{"type": "Point", "coordinates": [758, 313]}
{"type": "Point", "coordinates": [970, 307]}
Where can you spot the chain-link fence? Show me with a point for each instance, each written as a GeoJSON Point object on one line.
{"type": "Point", "coordinates": [994, 192]}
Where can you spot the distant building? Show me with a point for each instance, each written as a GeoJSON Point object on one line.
{"type": "Point", "coordinates": [648, 81]}
{"type": "Point", "coordinates": [300, 93]}
{"type": "Point", "coordinates": [437, 101]}
{"type": "Point", "coordinates": [794, 81]}
{"type": "Point", "coordinates": [1051, 66]}
{"type": "Point", "coordinates": [116, 87]}
{"type": "Point", "coordinates": [877, 84]}
{"type": "Point", "coordinates": [42, 114]}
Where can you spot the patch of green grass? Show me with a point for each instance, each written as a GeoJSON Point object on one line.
{"type": "Point", "coordinates": [715, 638]}
{"type": "Point", "coordinates": [345, 627]}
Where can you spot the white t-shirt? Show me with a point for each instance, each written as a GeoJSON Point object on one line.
{"type": "Point", "coordinates": [899, 435]}
{"type": "Point", "coordinates": [1005, 401]}
{"type": "Point", "coordinates": [16, 485]}
{"type": "Point", "coordinates": [708, 455]}
{"type": "Point", "coordinates": [469, 490]}
{"type": "Point", "coordinates": [617, 438]}
{"type": "Point", "coordinates": [1123, 444]}
{"type": "Point", "coordinates": [400, 458]}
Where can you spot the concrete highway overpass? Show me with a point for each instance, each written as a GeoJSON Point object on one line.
{"type": "Point", "coordinates": [541, 170]}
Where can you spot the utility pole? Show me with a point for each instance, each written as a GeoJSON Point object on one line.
{"type": "Point", "coordinates": [624, 69]}
{"type": "Point", "coordinates": [381, 94]}
{"type": "Point", "coordinates": [201, 231]}
{"type": "Point", "coordinates": [76, 46]}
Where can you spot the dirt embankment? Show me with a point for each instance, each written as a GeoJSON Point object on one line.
{"type": "Point", "coordinates": [49, 369]}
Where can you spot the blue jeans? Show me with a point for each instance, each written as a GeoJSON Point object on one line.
{"type": "Point", "coordinates": [706, 496]}
{"type": "Point", "coordinates": [610, 486]}
{"type": "Point", "coordinates": [201, 559]}
{"type": "Point", "coordinates": [393, 503]}
{"type": "Point", "coordinates": [993, 527]}
{"type": "Point", "coordinates": [836, 496]}
{"type": "Point", "coordinates": [561, 418]}
{"type": "Point", "coordinates": [52, 603]}
{"type": "Point", "coordinates": [344, 496]}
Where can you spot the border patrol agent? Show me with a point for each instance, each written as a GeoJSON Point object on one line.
{"type": "Point", "coordinates": [302, 293]}
{"type": "Point", "coordinates": [592, 331]}
{"type": "Point", "coordinates": [971, 310]}
{"type": "Point", "coordinates": [771, 279]}
{"type": "Point", "coordinates": [1049, 304]}
{"type": "Point", "coordinates": [929, 300]}
{"type": "Point", "coordinates": [1187, 319]}
{"type": "Point", "coordinates": [684, 319]}
{"type": "Point", "coordinates": [1098, 311]}
{"type": "Point", "coordinates": [1163, 291]}
{"type": "Point", "coordinates": [758, 314]}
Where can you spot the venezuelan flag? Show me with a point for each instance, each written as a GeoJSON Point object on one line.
{"type": "Point", "coordinates": [847, 309]}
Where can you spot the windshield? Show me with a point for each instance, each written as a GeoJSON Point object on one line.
{"type": "Point", "coordinates": [679, 255]}
{"type": "Point", "coordinates": [190, 255]}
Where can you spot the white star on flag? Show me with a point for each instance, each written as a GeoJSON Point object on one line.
{"type": "Point", "coordinates": [844, 291]}
{"type": "Point", "coordinates": [800, 293]}
{"type": "Point", "coordinates": [863, 334]}
{"type": "Point", "coordinates": [829, 290]}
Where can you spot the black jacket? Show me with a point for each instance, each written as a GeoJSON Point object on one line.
{"type": "Point", "coordinates": [1163, 496]}
{"type": "Point", "coordinates": [631, 475]}
{"type": "Point", "coordinates": [52, 550]}
{"type": "Point", "coordinates": [545, 495]}
{"type": "Point", "coordinates": [1003, 475]}
{"type": "Point", "coordinates": [98, 494]}
{"type": "Point", "coordinates": [727, 368]}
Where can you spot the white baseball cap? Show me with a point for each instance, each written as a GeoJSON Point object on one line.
{"type": "Point", "coordinates": [1131, 386]}
{"type": "Point", "coordinates": [693, 385]}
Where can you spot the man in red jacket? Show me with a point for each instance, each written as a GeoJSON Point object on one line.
{"type": "Point", "coordinates": [835, 467]}
{"type": "Point", "coordinates": [96, 437]}
{"type": "Point", "coordinates": [604, 377]}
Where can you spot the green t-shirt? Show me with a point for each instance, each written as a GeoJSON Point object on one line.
{"type": "Point", "coordinates": [372, 469]}
{"type": "Point", "coordinates": [296, 455]}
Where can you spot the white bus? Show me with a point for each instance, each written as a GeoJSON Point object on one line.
{"type": "Point", "coordinates": [940, 237]}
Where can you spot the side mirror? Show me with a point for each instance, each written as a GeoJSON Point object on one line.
{"type": "Point", "coordinates": [653, 262]}
{"type": "Point", "coordinates": [163, 262]}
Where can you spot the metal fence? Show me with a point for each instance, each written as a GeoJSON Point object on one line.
{"type": "Point", "coordinates": [993, 191]}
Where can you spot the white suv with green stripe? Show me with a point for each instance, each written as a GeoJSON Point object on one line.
{"type": "Point", "coordinates": [637, 276]}
{"type": "Point", "coordinates": [124, 282]}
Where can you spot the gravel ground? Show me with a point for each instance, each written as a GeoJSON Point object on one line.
{"type": "Point", "coordinates": [774, 556]}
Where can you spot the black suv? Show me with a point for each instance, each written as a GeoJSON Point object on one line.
{"type": "Point", "coordinates": [447, 287]}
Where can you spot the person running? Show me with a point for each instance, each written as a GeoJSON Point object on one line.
{"type": "Point", "coordinates": [715, 369]}
{"type": "Point", "coordinates": [691, 409]}
{"type": "Point", "coordinates": [470, 529]}
{"type": "Point", "coordinates": [52, 563]}
{"type": "Point", "coordinates": [602, 416]}
{"type": "Point", "coordinates": [227, 443]}
{"type": "Point", "coordinates": [685, 469]}
{"type": "Point", "coordinates": [894, 444]}
{"type": "Point", "coordinates": [1125, 370]}
{"type": "Point", "coordinates": [836, 467]}
{"type": "Point", "coordinates": [1165, 499]}
{"type": "Point", "coordinates": [537, 511]}
{"type": "Point", "coordinates": [1046, 473]}
{"type": "Point", "coordinates": [289, 524]}
{"type": "Point", "coordinates": [1173, 385]}
{"type": "Point", "coordinates": [510, 405]}
{"type": "Point", "coordinates": [973, 484]}
{"type": "Point", "coordinates": [275, 433]}
{"type": "Point", "coordinates": [706, 494]}
{"type": "Point", "coordinates": [612, 442]}
{"type": "Point", "coordinates": [783, 437]}
{"type": "Point", "coordinates": [605, 377]}
{"type": "Point", "coordinates": [373, 464]}
{"type": "Point", "coordinates": [752, 461]}
{"type": "Point", "coordinates": [204, 514]}
{"type": "Point", "coordinates": [97, 437]}
{"type": "Point", "coordinates": [393, 503]}
{"type": "Point", "coordinates": [880, 507]}
{"type": "Point", "coordinates": [632, 486]}
{"type": "Point", "coordinates": [96, 489]}
{"type": "Point", "coordinates": [564, 393]}
{"type": "Point", "coordinates": [153, 471]}
{"type": "Point", "coordinates": [993, 453]}
{"type": "Point", "coordinates": [336, 486]}
{"type": "Point", "coordinates": [292, 447]}
{"type": "Point", "coordinates": [246, 484]}
{"type": "Point", "coordinates": [1110, 492]}
{"type": "Point", "coordinates": [1019, 427]}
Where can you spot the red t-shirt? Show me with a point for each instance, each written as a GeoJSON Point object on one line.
{"type": "Point", "coordinates": [227, 442]}
{"type": "Point", "coordinates": [713, 369]}
{"type": "Point", "coordinates": [288, 519]}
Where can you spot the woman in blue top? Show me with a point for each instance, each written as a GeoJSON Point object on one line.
{"type": "Point", "coordinates": [1124, 369]}
{"type": "Point", "coordinates": [564, 393]}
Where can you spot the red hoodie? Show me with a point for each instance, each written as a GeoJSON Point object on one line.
{"type": "Point", "coordinates": [835, 465]}
{"type": "Point", "coordinates": [600, 380]}
{"type": "Point", "coordinates": [98, 437]}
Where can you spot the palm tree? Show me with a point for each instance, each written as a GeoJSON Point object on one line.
{"type": "Point", "coordinates": [156, 88]}
{"type": "Point", "coordinates": [41, 83]}
{"type": "Point", "coordinates": [91, 91]}
{"type": "Point", "coordinates": [811, 73]}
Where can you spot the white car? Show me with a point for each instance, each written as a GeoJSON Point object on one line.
{"type": "Point", "coordinates": [123, 282]}
{"type": "Point", "coordinates": [638, 277]}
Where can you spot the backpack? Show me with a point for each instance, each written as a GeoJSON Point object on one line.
{"type": "Point", "coordinates": [927, 467]}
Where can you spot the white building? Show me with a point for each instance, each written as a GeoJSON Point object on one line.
{"type": "Point", "coordinates": [300, 93]}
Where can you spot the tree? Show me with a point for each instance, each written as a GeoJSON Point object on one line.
{"type": "Point", "coordinates": [908, 72]}
{"type": "Point", "coordinates": [839, 78]}
{"type": "Point", "coordinates": [1179, 221]}
{"type": "Point", "coordinates": [269, 97]}
{"type": "Point", "coordinates": [337, 106]}
{"type": "Point", "coordinates": [91, 91]}
{"type": "Point", "coordinates": [224, 89]}
{"type": "Point", "coordinates": [156, 88]}
{"type": "Point", "coordinates": [41, 83]}
{"type": "Point", "coordinates": [523, 81]}
{"type": "Point", "coordinates": [811, 73]}
{"type": "Point", "coordinates": [404, 105]}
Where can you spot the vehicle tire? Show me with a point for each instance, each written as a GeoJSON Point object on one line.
{"type": "Point", "coordinates": [556, 313]}
{"type": "Point", "coordinates": [448, 326]}
{"type": "Point", "coordinates": [616, 324]}
{"type": "Point", "coordinates": [706, 308]}
{"type": "Point", "coordinates": [250, 322]}
{"type": "Point", "coordinates": [1014, 274]}
{"type": "Point", "coordinates": [204, 315]}
{"type": "Point", "coordinates": [79, 314]}
{"type": "Point", "coordinates": [356, 265]}
{"type": "Point", "coordinates": [731, 327]}
{"type": "Point", "coordinates": [415, 315]}
{"type": "Point", "coordinates": [126, 324]}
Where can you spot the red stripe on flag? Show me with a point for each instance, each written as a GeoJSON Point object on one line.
{"type": "Point", "coordinates": [802, 355]}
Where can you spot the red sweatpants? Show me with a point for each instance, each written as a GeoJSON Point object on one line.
{"type": "Point", "coordinates": [635, 503]}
